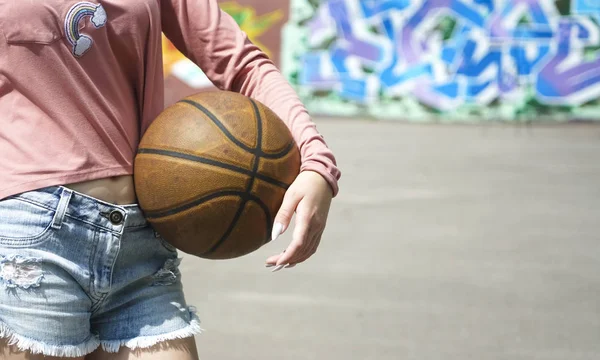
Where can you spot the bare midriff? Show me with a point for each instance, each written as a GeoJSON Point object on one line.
{"type": "Point", "coordinates": [117, 190]}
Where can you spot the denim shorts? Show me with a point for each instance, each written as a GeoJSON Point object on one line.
{"type": "Point", "coordinates": [77, 273]}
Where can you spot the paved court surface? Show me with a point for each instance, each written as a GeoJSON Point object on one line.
{"type": "Point", "coordinates": [446, 242]}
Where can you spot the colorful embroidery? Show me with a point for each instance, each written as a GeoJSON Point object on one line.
{"type": "Point", "coordinates": [81, 42]}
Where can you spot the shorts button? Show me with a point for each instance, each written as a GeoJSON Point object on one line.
{"type": "Point", "coordinates": [116, 217]}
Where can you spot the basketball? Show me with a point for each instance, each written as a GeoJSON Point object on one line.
{"type": "Point", "coordinates": [211, 172]}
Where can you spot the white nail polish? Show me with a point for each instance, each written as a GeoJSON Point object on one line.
{"type": "Point", "coordinates": [277, 268]}
{"type": "Point", "coordinates": [288, 266]}
{"type": "Point", "coordinates": [277, 228]}
{"type": "Point", "coordinates": [269, 265]}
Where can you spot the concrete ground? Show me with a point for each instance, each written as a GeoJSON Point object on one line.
{"type": "Point", "coordinates": [446, 242]}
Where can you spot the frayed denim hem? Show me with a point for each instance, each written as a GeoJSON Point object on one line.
{"type": "Point", "coordinates": [38, 347]}
{"type": "Point", "coordinates": [141, 342]}
{"type": "Point", "coordinates": [24, 343]}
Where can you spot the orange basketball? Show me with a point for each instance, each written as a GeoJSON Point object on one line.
{"type": "Point", "coordinates": [211, 172]}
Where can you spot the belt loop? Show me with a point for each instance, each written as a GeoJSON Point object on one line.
{"type": "Point", "coordinates": [61, 209]}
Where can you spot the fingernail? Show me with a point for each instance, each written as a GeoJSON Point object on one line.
{"type": "Point", "coordinates": [269, 265]}
{"type": "Point", "coordinates": [288, 266]}
{"type": "Point", "coordinates": [276, 231]}
{"type": "Point", "coordinates": [277, 268]}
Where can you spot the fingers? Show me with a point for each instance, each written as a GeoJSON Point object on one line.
{"type": "Point", "coordinates": [300, 258]}
{"type": "Point", "coordinates": [309, 250]}
{"type": "Point", "coordinates": [282, 220]}
{"type": "Point", "coordinates": [303, 246]}
{"type": "Point", "coordinates": [285, 213]}
{"type": "Point", "coordinates": [305, 240]}
{"type": "Point", "coordinates": [300, 240]}
{"type": "Point", "coordinates": [272, 260]}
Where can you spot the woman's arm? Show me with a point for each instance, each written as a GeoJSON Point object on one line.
{"type": "Point", "coordinates": [212, 39]}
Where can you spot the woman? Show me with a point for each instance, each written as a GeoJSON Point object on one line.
{"type": "Point", "coordinates": [84, 275]}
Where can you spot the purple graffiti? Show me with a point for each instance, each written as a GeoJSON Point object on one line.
{"type": "Point", "coordinates": [574, 84]}
{"type": "Point", "coordinates": [449, 53]}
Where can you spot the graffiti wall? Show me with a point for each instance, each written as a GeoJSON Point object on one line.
{"type": "Point", "coordinates": [446, 59]}
{"type": "Point", "coordinates": [424, 60]}
{"type": "Point", "coordinates": [261, 20]}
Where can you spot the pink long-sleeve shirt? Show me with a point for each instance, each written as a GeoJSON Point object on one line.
{"type": "Point", "coordinates": [80, 82]}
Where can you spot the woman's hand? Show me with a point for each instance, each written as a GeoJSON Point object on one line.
{"type": "Point", "coordinates": [310, 197]}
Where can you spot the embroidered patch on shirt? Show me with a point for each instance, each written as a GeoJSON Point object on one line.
{"type": "Point", "coordinates": [78, 13]}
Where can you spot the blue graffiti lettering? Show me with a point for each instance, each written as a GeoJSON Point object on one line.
{"type": "Point", "coordinates": [447, 53]}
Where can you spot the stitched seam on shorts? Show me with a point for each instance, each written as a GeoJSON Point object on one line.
{"type": "Point", "coordinates": [35, 240]}
{"type": "Point", "coordinates": [77, 218]}
{"type": "Point", "coordinates": [98, 304]}
{"type": "Point", "coordinates": [136, 226]}
{"type": "Point", "coordinates": [33, 202]}
{"type": "Point", "coordinates": [91, 267]}
{"type": "Point", "coordinates": [90, 223]}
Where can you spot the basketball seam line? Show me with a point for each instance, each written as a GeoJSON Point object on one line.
{"type": "Point", "coordinates": [207, 161]}
{"type": "Point", "coordinates": [259, 143]}
{"type": "Point", "coordinates": [253, 151]}
{"type": "Point", "coordinates": [247, 194]}
{"type": "Point", "coordinates": [187, 206]}
{"type": "Point", "coordinates": [159, 214]}
{"type": "Point", "coordinates": [258, 158]}
{"type": "Point", "coordinates": [220, 125]}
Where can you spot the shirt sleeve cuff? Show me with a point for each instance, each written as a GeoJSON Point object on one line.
{"type": "Point", "coordinates": [329, 173]}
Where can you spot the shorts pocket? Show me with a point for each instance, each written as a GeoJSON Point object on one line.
{"type": "Point", "coordinates": [23, 223]}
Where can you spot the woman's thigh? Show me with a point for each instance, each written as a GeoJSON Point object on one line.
{"type": "Point", "coordinates": [8, 352]}
{"type": "Point", "coordinates": [181, 349]}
